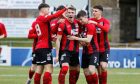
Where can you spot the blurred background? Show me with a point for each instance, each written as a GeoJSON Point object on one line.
{"type": "Point", "coordinates": [124, 35]}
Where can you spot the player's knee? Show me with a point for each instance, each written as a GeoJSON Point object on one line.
{"type": "Point", "coordinates": [104, 67]}
{"type": "Point", "coordinates": [33, 68]}
{"type": "Point", "coordinates": [39, 70]}
{"type": "Point", "coordinates": [86, 72]}
{"type": "Point", "coordinates": [92, 69]}
{"type": "Point", "coordinates": [77, 68]}
{"type": "Point", "coordinates": [64, 69]}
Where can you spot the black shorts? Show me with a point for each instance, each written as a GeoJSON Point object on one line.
{"type": "Point", "coordinates": [90, 59]}
{"type": "Point", "coordinates": [33, 58]}
{"type": "Point", "coordinates": [103, 56]}
{"type": "Point", "coordinates": [43, 56]}
{"type": "Point", "coordinates": [69, 57]}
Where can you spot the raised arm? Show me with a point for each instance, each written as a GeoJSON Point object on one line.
{"type": "Point", "coordinates": [57, 14]}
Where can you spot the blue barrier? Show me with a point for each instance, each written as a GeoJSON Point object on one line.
{"type": "Point", "coordinates": [21, 56]}
{"type": "Point", "coordinates": [124, 58]}
{"type": "Point", "coordinates": [119, 57]}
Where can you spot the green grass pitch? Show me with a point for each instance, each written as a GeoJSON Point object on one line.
{"type": "Point", "coordinates": [18, 75]}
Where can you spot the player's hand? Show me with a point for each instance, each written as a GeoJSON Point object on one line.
{"type": "Point", "coordinates": [93, 22]}
{"type": "Point", "coordinates": [56, 59]}
{"type": "Point", "coordinates": [1, 36]}
{"type": "Point", "coordinates": [68, 6]}
{"type": "Point", "coordinates": [83, 43]}
{"type": "Point", "coordinates": [72, 37]}
{"type": "Point", "coordinates": [54, 38]}
{"type": "Point", "coordinates": [61, 21]}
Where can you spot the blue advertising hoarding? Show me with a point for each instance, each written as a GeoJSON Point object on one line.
{"type": "Point", "coordinates": [119, 57]}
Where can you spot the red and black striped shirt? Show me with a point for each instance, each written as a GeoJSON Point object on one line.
{"type": "Point", "coordinates": [102, 29]}
{"type": "Point", "coordinates": [65, 29]}
{"type": "Point", "coordinates": [89, 29]}
{"type": "Point", "coordinates": [43, 30]}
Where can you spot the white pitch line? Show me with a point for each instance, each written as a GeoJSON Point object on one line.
{"type": "Point", "coordinates": [125, 73]}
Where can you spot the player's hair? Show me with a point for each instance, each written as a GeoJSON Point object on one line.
{"type": "Point", "coordinates": [98, 7]}
{"type": "Point", "coordinates": [60, 7]}
{"type": "Point", "coordinates": [81, 13]}
{"type": "Point", "coordinates": [72, 7]}
{"type": "Point", "coordinates": [43, 5]}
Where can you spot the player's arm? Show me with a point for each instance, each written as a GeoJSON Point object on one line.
{"type": "Point", "coordinates": [89, 35]}
{"type": "Point", "coordinates": [32, 33]}
{"type": "Point", "coordinates": [104, 27]}
{"type": "Point", "coordinates": [87, 39]}
{"type": "Point", "coordinates": [58, 40]}
{"type": "Point", "coordinates": [3, 31]}
{"type": "Point", "coordinates": [57, 14]}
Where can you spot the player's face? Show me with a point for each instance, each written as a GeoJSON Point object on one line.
{"type": "Point", "coordinates": [83, 20]}
{"type": "Point", "coordinates": [45, 10]}
{"type": "Point", "coordinates": [96, 13]}
{"type": "Point", "coordinates": [71, 13]}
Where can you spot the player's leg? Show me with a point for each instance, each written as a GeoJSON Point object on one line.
{"type": "Point", "coordinates": [64, 62]}
{"type": "Point", "coordinates": [88, 75]}
{"type": "Point", "coordinates": [62, 73]}
{"type": "Point", "coordinates": [103, 73]}
{"type": "Point", "coordinates": [93, 63]}
{"type": "Point", "coordinates": [47, 78]}
{"type": "Point", "coordinates": [32, 69]}
{"type": "Point", "coordinates": [103, 67]}
{"type": "Point", "coordinates": [40, 66]}
{"type": "Point", "coordinates": [39, 71]}
{"type": "Point", "coordinates": [48, 65]}
{"type": "Point", "coordinates": [74, 74]}
{"type": "Point", "coordinates": [74, 68]}
{"type": "Point", "coordinates": [93, 74]}
{"type": "Point", "coordinates": [85, 65]}
{"type": "Point", "coordinates": [99, 73]}
{"type": "Point", "coordinates": [31, 73]}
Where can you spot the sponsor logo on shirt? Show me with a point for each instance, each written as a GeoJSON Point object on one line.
{"type": "Point", "coordinates": [74, 31]}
